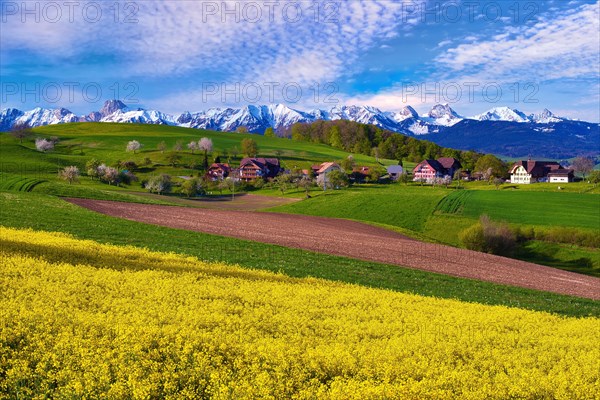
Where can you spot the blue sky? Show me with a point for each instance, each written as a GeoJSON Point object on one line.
{"type": "Point", "coordinates": [192, 55]}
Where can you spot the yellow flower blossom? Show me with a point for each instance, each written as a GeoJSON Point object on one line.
{"type": "Point", "coordinates": [80, 319]}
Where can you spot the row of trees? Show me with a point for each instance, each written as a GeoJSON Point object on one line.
{"type": "Point", "coordinates": [370, 140]}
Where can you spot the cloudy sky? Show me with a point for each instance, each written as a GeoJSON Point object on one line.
{"type": "Point", "coordinates": [191, 55]}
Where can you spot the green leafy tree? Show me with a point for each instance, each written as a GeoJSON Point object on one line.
{"type": "Point", "coordinates": [335, 140]}
{"type": "Point", "coordinates": [348, 163]}
{"type": "Point", "coordinates": [306, 183]}
{"type": "Point", "coordinates": [162, 146]}
{"type": "Point", "coordinates": [91, 168]}
{"type": "Point", "coordinates": [234, 152]}
{"type": "Point", "coordinates": [249, 147]}
{"type": "Point", "coordinates": [594, 177]}
{"type": "Point", "coordinates": [404, 178]}
{"type": "Point", "coordinates": [375, 174]}
{"type": "Point", "coordinates": [283, 182]}
{"type": "Point", "coordinates": [191, 187]}
{"type": "Point", "coordinates": [492, 164]}
{"type": "Point", "coordinates": [270, 132]}
{"type": "Point", "coordinates": [338, 179]}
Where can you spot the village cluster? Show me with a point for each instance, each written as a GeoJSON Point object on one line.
{"type": "Point", "coordinates": [427, 171]}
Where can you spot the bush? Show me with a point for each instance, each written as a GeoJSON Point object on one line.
{"type": "Point", "coordinates": [127, 177]}
{"type": "Point", "coordinates": [257, 183]}
{"type": "Point", "coordinates": [569, 236]}
{"type": "Point", "coordinates": [191, 187]}
{"type": "Point", "coordinates": [70, 174]}
{"type": "Point", "coordinates": [473, 238]}
{"type": "Point", "coordinates": [489, 237]}
{"type": "Point", "coordinates": [159, 184]}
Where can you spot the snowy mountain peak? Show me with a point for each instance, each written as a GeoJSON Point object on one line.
{"type": "Point", "coordinates": [441, 111]}
{"type": "Point", "coordinates": [544, 117]}
{"type": "Point", "coordinates": [112, 106]}
{"type": "Point", "coordinates": [404, 114]}
{"type": "Point", "coordinates": [443, 114]}
{"type": "Point", "coordinates": [409, 112]}
{"type": "Point", "coordinates": [502, 114]}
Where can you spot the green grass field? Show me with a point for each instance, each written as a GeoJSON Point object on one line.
{"type": "Point", "coordinates": [107, 142]}
{"type": "Point", "coordinates": [439, 215]}
{"type": "Point", "coordinates": [402, 206]}
{"type": "Point", "coordinates": [528, 208]}
{"type": "Point", "coordinates": [44, 212]}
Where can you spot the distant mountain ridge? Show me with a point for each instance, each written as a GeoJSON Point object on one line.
{"type": "Point", "coordinates": [491, 131]}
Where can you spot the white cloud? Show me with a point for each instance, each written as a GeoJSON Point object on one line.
{"type": "Point", "coordinates": [564, 46]}
{"type": "Point", "coordinates": [175, 37]}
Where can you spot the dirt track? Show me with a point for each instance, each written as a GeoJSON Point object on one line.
{"type": "Point", "coordinates": [355, 240]}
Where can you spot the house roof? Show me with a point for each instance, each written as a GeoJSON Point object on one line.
{"type": "Point", "coordinates": [395, 169]}
{"type": "Point", "coordinates": [224, 167]}
{"type": "Point", "coordinates": [561, 172]}
{"type": "Point", "coordinates": [537, 168]}
{"type": "Point", "coordinates": [325, 166]}
{"type": "Point", "coordinates": [434, 164]}
{"type": "Point", "coordinates": [449, 162]}
{"type": "Point", "coordinates": [261, 162]}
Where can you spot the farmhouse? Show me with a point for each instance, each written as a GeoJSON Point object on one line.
{"type": "Point", "coordinates": [218, 172]}
{"type": "Point", "coordinates": [428, 170]}
{"type": "Point", "coordinates": [252, 168]}
{"type": "Point", "coordinates": [394, 171]}
{"type": "Point", "coordinates": [561, 176]}
{"type": "Point", "coordinates": [530, 171]}
{"type": "Point", "coordinates": [322, 170]}
{"type": "Point", "coordinates": [360, 174]}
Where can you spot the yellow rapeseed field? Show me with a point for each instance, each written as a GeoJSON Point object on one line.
{"type": "Point", "coordinates": [79, 319]}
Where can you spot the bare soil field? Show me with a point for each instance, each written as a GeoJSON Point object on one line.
{"type": "Point", "coordinates": [355, 240]}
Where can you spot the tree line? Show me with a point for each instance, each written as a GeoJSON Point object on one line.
{"type": "Point", "coordinates": [371, 140]}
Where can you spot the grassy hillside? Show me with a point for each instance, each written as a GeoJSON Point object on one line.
{"type": "Point", "coordinates": [107, 141]}
{"type": "Point", "coordinates": [405, 207]}
{"type": "Point", "coordinates": [529, 208]}
{"type": "Point", "coordinates": [439, 214]}
{"type": "Point", "coordinates": [42, 212]}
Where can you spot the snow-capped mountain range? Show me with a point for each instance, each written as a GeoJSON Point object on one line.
{"type": "Point", "coordinates": [491, 131]}
{"type": "Point", "coordinates": [257, 118]}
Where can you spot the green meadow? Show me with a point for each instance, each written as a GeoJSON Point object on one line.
{"type": "Point", "coordinates": [423, 212]}
{"type": "Point", "coordinates": [49, 213]}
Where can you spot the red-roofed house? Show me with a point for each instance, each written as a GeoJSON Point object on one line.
{"type": "Point", "coordinates": [428, 170]}
{"type": "Point", "coordinates": [252, 168]}
{"type": "Point", "coordinates": [525, 172]}
{"type": "Point", "coordinates": [322, 170]}
{"type": "Point", "coordinates": [218, 172]}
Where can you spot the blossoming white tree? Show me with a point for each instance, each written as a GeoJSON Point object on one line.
{"type": "Point", "coordinates": [206, 145]}
{"type": "Point", "coordinates": [134, 146]}
{"type": "Point", "coordinates": [192, 146]}
{"type": "Point", "coordinates": [44, 145]}
{"type": "Point", "coordinates": [70, 174]}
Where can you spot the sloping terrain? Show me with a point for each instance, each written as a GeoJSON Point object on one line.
{"type": "Point", "coordinates": [356, 240]}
